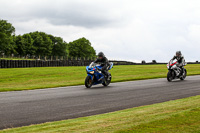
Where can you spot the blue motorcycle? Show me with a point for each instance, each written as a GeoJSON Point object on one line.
{"type": "Point", "coordinates": [95, 76]}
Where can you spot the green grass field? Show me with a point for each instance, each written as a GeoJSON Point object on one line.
{"type": "Point", "coordinates": [13, 79]}
{"type": "Point", "coordinates": [178, 116]}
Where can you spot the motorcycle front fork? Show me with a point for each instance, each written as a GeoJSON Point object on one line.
{"type": "Point", "coordinates": [179, 71]}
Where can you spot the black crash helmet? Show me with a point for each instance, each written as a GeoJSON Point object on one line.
{"type": "Point", "coordinates": [178, 53]}
{"type": "Point", "coordinates": [101, 54]}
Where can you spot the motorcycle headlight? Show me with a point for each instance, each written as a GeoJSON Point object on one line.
{"type": "Point", "coordinates": [92, 72]}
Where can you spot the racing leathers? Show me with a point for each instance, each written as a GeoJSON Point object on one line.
{"type": "Point", "coordinates": [181, 61]}
{"type": "Point", "coordinates": [104, 63]}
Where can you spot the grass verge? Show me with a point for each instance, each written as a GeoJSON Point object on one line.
{"type": "Point", "coordinates": [14, 79]}
{"type": "Point", "coordinates": [178, 116]}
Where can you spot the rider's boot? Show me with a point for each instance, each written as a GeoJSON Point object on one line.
{"type": "Point", "coordinates": [181, 73]}
{"type": "Point", "coordinates": [102, 77]}
{"type": "Point", "coordinates": [107, 75]}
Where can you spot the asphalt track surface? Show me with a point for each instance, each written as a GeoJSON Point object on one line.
{"type": "Point", "coordinates": [21, 108]}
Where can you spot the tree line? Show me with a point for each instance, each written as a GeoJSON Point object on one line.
{"type": "Point", "coordinates": [41, 44]}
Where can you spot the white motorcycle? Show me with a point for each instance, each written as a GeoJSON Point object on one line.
{"type": "Point", "coordinates": [175, 72]}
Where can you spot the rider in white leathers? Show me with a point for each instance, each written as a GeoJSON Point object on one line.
{"type": "Point", "coordinates": [180, 59]}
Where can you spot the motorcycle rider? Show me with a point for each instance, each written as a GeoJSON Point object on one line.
{"type": "Point", "coordinates": [180, 59]}
{"type": "Point", "coordinates": [104, 63]}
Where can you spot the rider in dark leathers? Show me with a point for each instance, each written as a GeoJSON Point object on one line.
{"type": "Point", "coordinates": [180, 59]}
{"type": "Point", "coordinates": [104, 63]}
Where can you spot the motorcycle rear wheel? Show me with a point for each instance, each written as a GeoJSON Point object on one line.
{"type": "Point", "coordinates": [107, 81]}
{"type": "Point", "coordinates": [88, 82]}
{"type": "Point", "coordinates": [184, 75]}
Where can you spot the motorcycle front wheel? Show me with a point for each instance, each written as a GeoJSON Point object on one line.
{"type": "Point", "coordinates": [88, 82]}
{"type": "Point", "coordinates": [169, 76]}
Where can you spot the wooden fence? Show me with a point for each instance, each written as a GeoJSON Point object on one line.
{"type": "Point", "coordinates": [42, 63]}
{"type": "Point", "coordinates": [39, 63]}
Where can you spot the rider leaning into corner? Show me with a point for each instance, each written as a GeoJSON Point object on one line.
{"type": "Point", "coordinates": [104, 63]}
{"type": "Point", "coordinates": [180, 59]}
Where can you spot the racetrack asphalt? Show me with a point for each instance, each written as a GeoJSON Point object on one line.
{"type": "Point", "coordinates": [21, 108]}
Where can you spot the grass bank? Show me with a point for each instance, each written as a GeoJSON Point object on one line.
{"type": "Point", "coordinates": [178, 116]}
{"type": "Point", "coordinates": [13, 79]}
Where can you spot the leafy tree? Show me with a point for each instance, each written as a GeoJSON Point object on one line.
{"type": "Point", "coordinates": [20, 45]}
{"type": "Point", "coordinates": [28, 42]}
{"type": "Point", "coordinates": [42, 43]}
{"type": "Point", "coordinates": [6, 37]}
{"type": "Point", "coordinates": [24, 45]}
{"type": "Point", "coordinates": [81, 48]}
{"type": "Point", "coordinates": [59, 46]}
{"type": "Point", "coordinates": [10, 47]}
